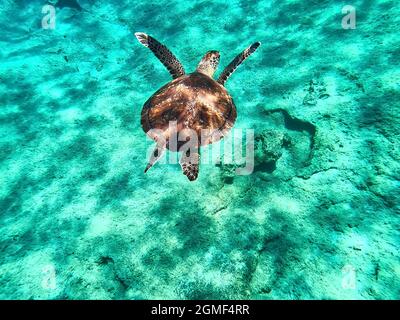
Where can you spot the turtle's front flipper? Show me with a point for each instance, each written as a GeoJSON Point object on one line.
{"type": "Point", "coordinates": [236, 62]}
{"type": "Point", "coordinates": [166, 57]}
{"type": "Point", "coordinates": [190, 164]}
{"type": "Point", "coordinates": [155, 156]}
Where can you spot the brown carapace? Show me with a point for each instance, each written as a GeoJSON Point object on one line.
{"type": "Point", "coordinates": [192, 110]}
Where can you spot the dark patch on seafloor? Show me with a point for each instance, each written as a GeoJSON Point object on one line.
{"type": "Point", "coordinates": [295, 124]}
{"type": "Point", "coordinates": [73, 4]}
{"type": "Point", "coordinates": [271, 142]}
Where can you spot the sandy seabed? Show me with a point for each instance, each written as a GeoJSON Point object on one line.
{"type": "Point", "coordinates": [317, 219]}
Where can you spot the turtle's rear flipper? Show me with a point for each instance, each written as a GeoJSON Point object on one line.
{"type": "Point", "coordinates": [166, 57]}
{"type": "Point", "coordinates": [155, 156]}
{"type": "Point", "coordinates": [190, 164]}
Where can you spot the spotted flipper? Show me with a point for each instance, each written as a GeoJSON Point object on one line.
{"type": "Point", "coordinates": [166, 57]}
{"type": "Point", "coordinates": [190, 164]}
{"type": "Point", "coordinates": [155, 156]}
{"type": "Point", "coordinates": [236, 62]}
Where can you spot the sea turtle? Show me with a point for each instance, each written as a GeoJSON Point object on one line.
{"type": "Point", "coordinates": [190, 111]}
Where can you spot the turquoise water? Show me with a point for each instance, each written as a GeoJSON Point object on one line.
{"type": "Point", "coordinates": [317, 219]}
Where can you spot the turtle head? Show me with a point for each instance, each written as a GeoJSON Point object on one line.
{"type": "Point", "coordinates": [209, 63]}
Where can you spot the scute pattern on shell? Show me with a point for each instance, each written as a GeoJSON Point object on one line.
{"type": "Point", "coordinates": [194, 101]}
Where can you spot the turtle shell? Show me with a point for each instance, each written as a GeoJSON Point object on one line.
{"type": "Point", "coordinates": [194, 101]}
